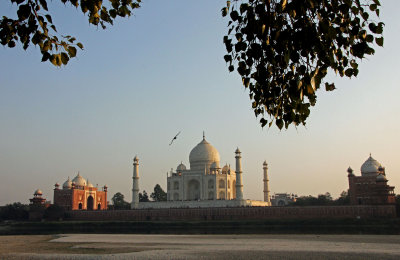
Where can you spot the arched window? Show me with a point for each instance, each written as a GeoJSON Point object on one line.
{"type": "Point", "coordinates": [176, 185]}
{"type": "Point", "coordinates": [193, 190]}
{"type": "Point", "coordinates": [211, 195]}
{"type": "Point", "coordinates": [211, 184]}
{"type": "Point", "coordinates": [176, 196]}
{"type": "Point", "coordinates": [222, 195]}
{"type": "Point", "coordinates": [80, 205]}
{"type": "Point", "coordinates": [99, 207]}
{"type": "Point", "coordinates": [221, 184]}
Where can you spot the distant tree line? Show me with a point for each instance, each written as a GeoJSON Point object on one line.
{"type": "Point", "coordinates": [119, 203]}
{"type": "Point", "coordinates": [322, 200]}
{"type": "Point", "coordinates": [21, 212]}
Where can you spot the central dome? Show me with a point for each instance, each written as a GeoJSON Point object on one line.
{"type": "Point", "coordinates": [203, 155]}
{"type": "Point", "coordinates": [370, 167]}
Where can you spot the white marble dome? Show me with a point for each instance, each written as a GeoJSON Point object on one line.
{"type": "Point", "coordinates": [89, 184]}
{"type": "Point", "coordinates": [381, 177]}
{"type": "Point", "coordinates": [79, 180]}
{"type": "Point", "coordinates": [38, 192]}
{"type": "Point", "coordinates": [203, 155]}
{"type": "Point", "coordinates": [67, 184]}
{"type": "Point", "coordinates": [370, 167]}
{"type": "Point", "coordinates": [181, 167]}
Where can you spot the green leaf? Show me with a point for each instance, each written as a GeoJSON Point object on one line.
{"type": "Point", "coordinates": [224, 11]}
{"type": "Point", "coordinates": [45, 56]}
{"type": "Point", "coordinates": [330, 87]}
{"type": "Point", "coordinates": [379, 41]}
{"type": "Point", "coordinates": [48, 17]}
{"type": "Point", "coordinates": [64, 58]}
{"type": "Point", "coordinates": [349, 72]}
{"type": "Point", "coordinates": [43, 3]}
{"type": "Point", "coordinates": [23, 12]}
{"type": "Point", "coordinates": [72, 51]}
{"type": "Point", "coordinates": [279, 123]}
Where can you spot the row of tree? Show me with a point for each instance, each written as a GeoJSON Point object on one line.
{"type": "Point", "coordinates": [119, 203]}
{"type": "Point", "coordinates": [322, 200]}
{"type": "Point", "coordinates": [22, 212]}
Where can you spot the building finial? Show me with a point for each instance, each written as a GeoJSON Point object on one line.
{"type": "Point", "coordinates": [204, 136]}
{"type": "Point", "coordinates": [370, 155]}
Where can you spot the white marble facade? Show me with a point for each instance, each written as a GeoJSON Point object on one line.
{"type": "Point", "coordinates": [204, 184]}
{"type": "Point", "coordinates": [205, 180]}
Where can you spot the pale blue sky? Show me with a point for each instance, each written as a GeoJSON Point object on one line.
{"type": "Point", "coordinates": [161, 71]}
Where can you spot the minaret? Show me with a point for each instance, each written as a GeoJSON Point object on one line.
{"type": "Point", "coordinates": [135, 184]}
{"type": "Point", "coordinates": [239, 185]}
{"type": "Point", "coordinates": [266, 184]}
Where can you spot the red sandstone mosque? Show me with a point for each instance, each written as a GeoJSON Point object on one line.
{"type": "Point", "coordinates": [80, 194]}
{"type": "Point", "coordinates": [371, 187]}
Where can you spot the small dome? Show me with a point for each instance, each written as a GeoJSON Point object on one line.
{"type": "Point", "coordinates": [79, 180]}
{"type": "Point", "coordinates": [89, 184]}
{"type": "Point", "coordinates": [215, 165]}
{"type": "Point", "coordinates": [67, 184]}
{"type": "Point", "coordinates": [225, 169]}
{"type": "Point", "coordinates": [203, 155]}
{"type": "Point", "coordinates": [38, 192]}
{"type": "Point", "coordinates": [380, 177]}
{"type": "Point", "coordinates": [181, 167]}
{"type": "Point", "coordinates": [350, 171]}
{"type": "Point", "coordinates": [370, 166]}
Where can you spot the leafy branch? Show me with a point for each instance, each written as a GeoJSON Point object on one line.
{"type": "Point", "coordinates": [34, 22]}
{"type": "Point", "coordinates": [283, 49]}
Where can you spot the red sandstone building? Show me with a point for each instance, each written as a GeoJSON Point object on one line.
{"type": "Point", "coordinates": [371, 187]}
{"type": "Point", "coordinates": [38, 200]}
{"type": "Point", "coordinates": [80, 194]}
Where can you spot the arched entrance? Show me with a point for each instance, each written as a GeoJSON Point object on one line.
{"type": "Point", "coordinates": [193, 191]}
{"type": "Point", "coordinates": [99, 207]}
{"type": "Point", "coordinates": [90, 203]}
{"type": "Point", "coordinates": [80, 206]}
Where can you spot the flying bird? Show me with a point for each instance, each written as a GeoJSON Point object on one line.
{"type": "Point", "coordinates": [173, 139]}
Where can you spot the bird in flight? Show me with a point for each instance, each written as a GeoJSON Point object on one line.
{"type": "Point", "coordinates": [173, 139]}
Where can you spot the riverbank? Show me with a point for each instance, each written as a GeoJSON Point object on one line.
{"type": "Point", "coordinates": [308, 226]}
{"type": "Point", "coordinates": [128, 246]}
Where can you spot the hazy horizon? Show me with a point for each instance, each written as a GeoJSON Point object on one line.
{"type": "Point", "coordinates": [162, 71]}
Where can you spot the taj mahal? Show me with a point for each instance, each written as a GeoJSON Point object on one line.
{"type": "Point", "coordinates": [204, 184]}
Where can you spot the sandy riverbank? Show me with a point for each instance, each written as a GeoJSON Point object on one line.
{"type": "Point", "coordinates": [104, 246]}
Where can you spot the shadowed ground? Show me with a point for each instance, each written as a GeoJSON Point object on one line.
{"type": "Point", "coordinates": [104, 246]}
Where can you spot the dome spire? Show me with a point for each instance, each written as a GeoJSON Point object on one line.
{"type": "Point", "coordinates": [204, 135]}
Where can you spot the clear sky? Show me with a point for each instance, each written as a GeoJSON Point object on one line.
{"type": "Point", "coordinates": [162, 71]}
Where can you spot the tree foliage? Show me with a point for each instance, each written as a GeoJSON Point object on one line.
{"type": "Point", "coordinates": [34, 24]}
{"type": "Point", "coordinates": [15, 211]}
{"type": "Point", "coordinates": [283, 49]}
{"type": "Point", "coordinates": [322, 200]}
{"type": "Point", "coordinates": [54, 212]}
{"type": "Point", "coordinates": [143, 197]}
{"type": "Point", "coordinates": [119, 202]}
{"type": "Point", "coordinates": [158, 194]}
